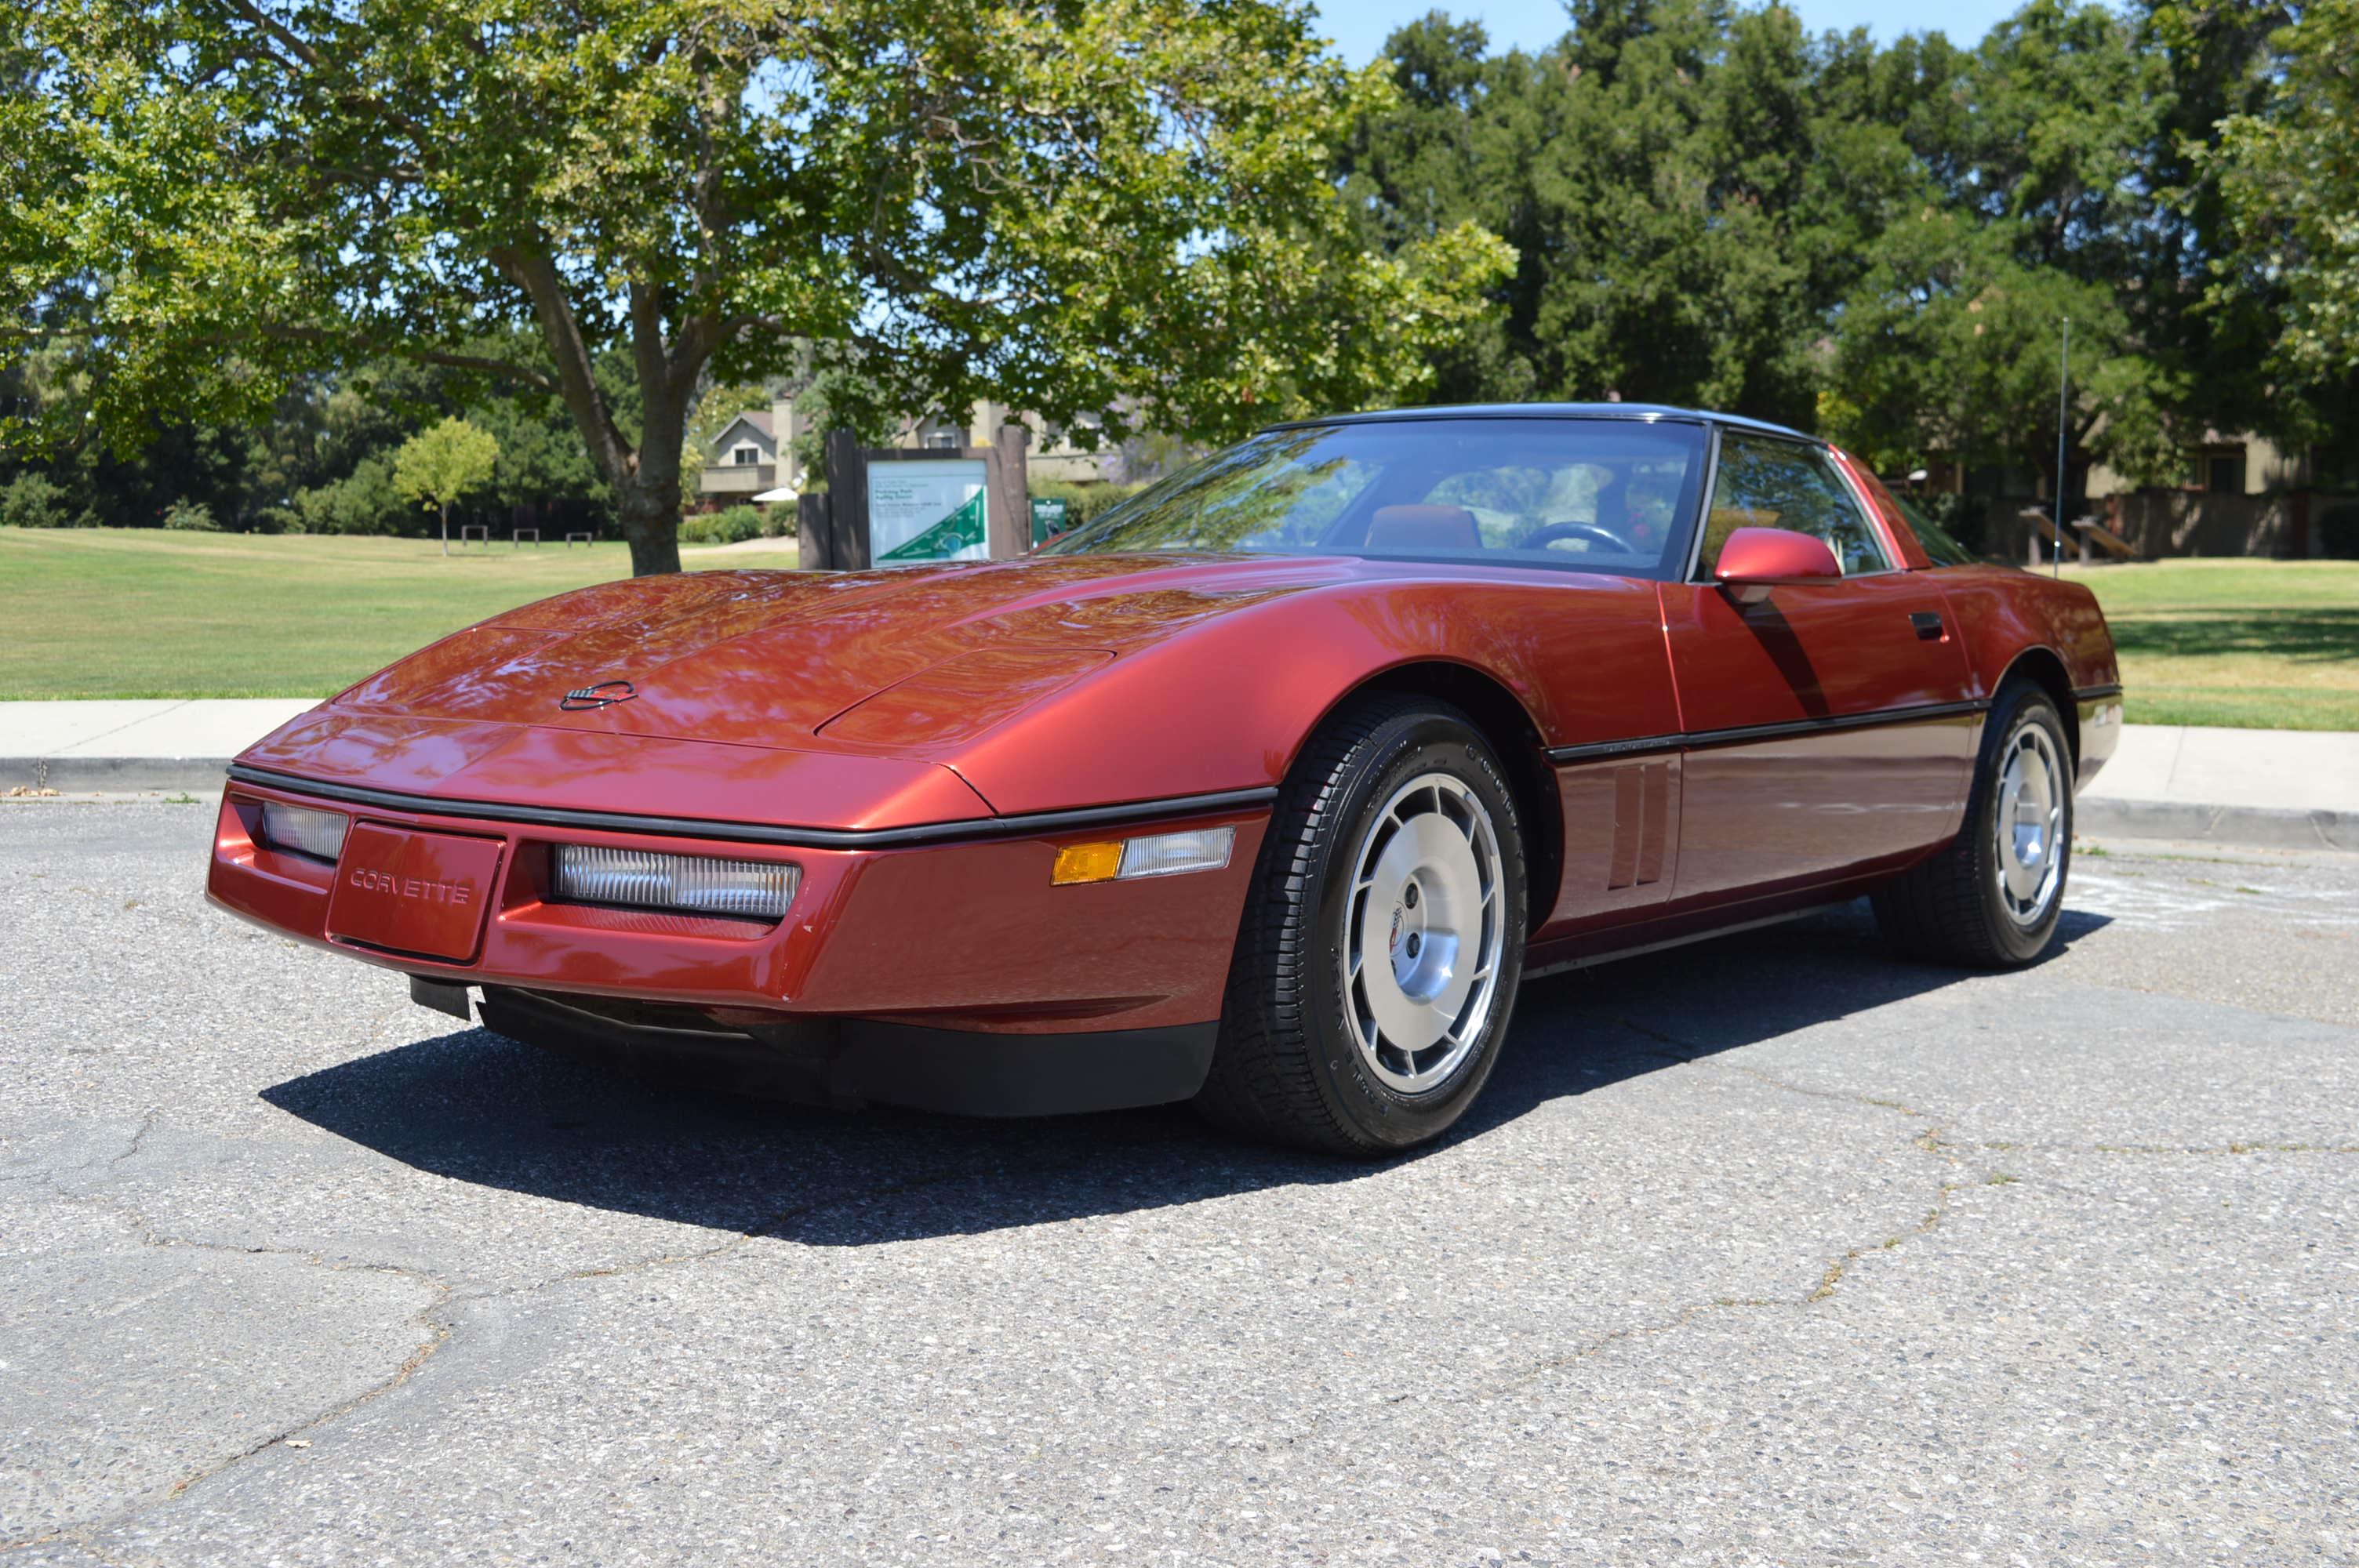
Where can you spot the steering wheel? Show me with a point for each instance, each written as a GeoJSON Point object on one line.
{"type": "Point", "coordinates": [1550, 532]}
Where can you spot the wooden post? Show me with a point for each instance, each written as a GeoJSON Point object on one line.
{"type": "Point", "coordinates": [847, 496]}
{"type": "Point", "coordinates": [814, 538]}
{"type": "Point", "coordinates": [1011, 498]}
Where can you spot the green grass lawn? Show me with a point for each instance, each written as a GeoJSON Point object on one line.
{"type": "Point", "coordinates": [90, 612]}
{"type": "Point", "coordinates": [141, 612]}
{"type": "Point", "coordinates": [2247, 645]}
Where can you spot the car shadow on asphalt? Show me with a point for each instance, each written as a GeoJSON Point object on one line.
{"type": "Point", "coordinates": [476, 1107]}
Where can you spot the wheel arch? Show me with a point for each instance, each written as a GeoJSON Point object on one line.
{"type": "Point", "coordinates": [1502, 719]}
{"type": "Point", "coordinates": [2044, 668]}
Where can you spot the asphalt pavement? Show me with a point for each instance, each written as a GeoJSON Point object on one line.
{"type": "Point", "coordinates": [1770, 1250]}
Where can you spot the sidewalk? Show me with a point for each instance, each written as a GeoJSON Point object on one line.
{"type": "Point", "coordinates": [2296, 789]}
{"type": "Point", "coordinates": [2286, 788]}
{"type": "Point", "coordinates": [166, 744]}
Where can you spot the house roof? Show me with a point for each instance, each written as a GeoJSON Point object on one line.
{"type": "Point", "coordinates": [755, 419]}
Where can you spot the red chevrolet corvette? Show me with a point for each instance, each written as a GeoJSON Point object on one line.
{"type": "Point", "coordinates": [1265, 789]}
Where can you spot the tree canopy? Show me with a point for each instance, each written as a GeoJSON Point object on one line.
{"type": "Point", "coordinates": [1710, 206]}
{"type": "Point", "coordinates": [1092, 205]}
{"type": "Point", "coordinates": [330, 224]}
{"type": "Point", "coordinates": [2288, 169]}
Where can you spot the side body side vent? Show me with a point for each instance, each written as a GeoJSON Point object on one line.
{"type": "Point", "coordinates": [1642, 814]}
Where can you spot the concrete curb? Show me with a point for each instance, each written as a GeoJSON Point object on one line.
{"type": "Point", "coordinates": [2257, 826]}
{"type": "Point", "coordinates": [197, 775]}
{"type": "Point", "coordinates": [2097, 817]}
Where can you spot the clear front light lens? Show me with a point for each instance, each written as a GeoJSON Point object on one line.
{"type": "Point", "coordinates": [759, 889]}
{"type": "Point", "coordinates": [1169, 854]}
{"type": "Point", "coordinates": [303, 831]}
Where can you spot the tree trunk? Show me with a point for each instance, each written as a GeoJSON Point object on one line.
{"type": "Point", "coordinates": [649, 502]}
{"type": "Point", "coordinates": [648, 506]}
{"type": "Point", "coordinates": [446, 527]}
{"type": "Point", "coordinates": [645, 482]}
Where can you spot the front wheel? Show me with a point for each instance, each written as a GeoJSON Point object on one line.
{"type": "Point", "coordinates": [1992, 898]}
{"type": "Point", "coordinates": [1383, 938]}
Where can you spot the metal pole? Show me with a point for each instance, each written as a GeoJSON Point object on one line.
{"type": "Point", "coordinates": [2063, 378]}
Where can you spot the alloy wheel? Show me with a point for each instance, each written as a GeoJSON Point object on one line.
{"type": "Point", "coordinates": [1423, 933]}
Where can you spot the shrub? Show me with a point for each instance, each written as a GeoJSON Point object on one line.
{"type": "Point", "coordinates": [33, 500]}
{"type": "Point", "coordinates": [191, 516]}
{"type": "Point", "coordinates": [734, 526]}
{"type": "Point", "coordinates": [362, 502]}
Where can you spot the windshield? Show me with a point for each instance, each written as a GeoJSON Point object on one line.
{"type": "Point", "coordinates": [1609, 496]}
{"type": "Point", "coordinates": [1942, 546]}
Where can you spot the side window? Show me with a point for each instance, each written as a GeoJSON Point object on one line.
{"type": "Point", "coordinates": [1766, 484]}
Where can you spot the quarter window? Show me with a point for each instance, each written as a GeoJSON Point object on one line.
{"type": "Point", "coordinates": [1784, 484]}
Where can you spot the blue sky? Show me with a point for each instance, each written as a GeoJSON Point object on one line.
{"type": "Point", "coordinates": [1359, 27]}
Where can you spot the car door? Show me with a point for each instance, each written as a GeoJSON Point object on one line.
{"type": "Point", "coordinates": [1829, 726]}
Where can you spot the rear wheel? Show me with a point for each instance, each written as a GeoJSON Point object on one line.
{"type": "Point", "coordinates": [1993, 897]}
{"type": "Point", "coordinates": [1383, 938]}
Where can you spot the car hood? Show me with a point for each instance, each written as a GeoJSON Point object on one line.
{"type": "Point", "coordinates": [770, 659]}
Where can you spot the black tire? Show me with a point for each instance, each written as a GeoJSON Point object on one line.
{"type": "Point", "coordinates": [1290, 1066]}
{"type": "Point", "coordinates": [1954, 908]}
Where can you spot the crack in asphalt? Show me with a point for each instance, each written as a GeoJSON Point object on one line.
{"type": "Point", "coordinates": [1928, 1141]}
{"type": "Point", "coordinates": [82, 1533]}
{"type": "Point", "coordinates": [434, 1317]}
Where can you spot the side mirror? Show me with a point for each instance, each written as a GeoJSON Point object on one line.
{"type": "Point", "coordinates": [1754, 561]}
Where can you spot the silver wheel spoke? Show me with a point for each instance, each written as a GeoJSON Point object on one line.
{"type": "Point", "coordinates": [1422, 952]}
{"type": "Point", "coordinates": [2028, 824]}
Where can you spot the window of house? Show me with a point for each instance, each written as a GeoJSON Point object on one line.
{"type": "Point", "coordinates": [2224, 473]}
{"type": "Point", "coordinates": [745, 455]}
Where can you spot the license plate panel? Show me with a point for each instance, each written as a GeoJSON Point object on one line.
{"type": "Point", "coordinates": [412, 891]}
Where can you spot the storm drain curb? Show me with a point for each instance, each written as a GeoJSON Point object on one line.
{"type": "Point", "coordinates": [2257, 827]}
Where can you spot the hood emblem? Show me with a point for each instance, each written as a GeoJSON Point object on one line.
{"type": "Point", "coordinates": [606, 693]}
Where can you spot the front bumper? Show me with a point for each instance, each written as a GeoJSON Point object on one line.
{"type": "Point", "coordinates": [939, 973]}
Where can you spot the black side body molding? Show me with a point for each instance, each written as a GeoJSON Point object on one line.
{"type": "Point", "coordinates": [1693, 739]}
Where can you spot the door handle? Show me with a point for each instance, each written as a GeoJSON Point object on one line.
{"type": "Point", "coordinates": [1929, 626]}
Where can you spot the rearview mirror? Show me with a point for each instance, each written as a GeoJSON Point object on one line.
{"type": "Point", "coordinates": [1754, 561]}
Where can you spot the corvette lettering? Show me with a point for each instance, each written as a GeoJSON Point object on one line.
{"type": "Point", "coordinates": [458, 894]}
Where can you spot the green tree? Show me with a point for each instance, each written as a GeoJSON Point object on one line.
{"type": "Point", "coordinates": [1690, 186]}
{"type": "Point", "coordinates": [1064, 206]}
{"type": "Point", "coordinates": [436, 467]}
{"type": "Point", "coordinates": [1456, 145]}
{"type": "Point", "coordinates": [2036, 157]}
{"type": "Point", "coordinates": [1950, 348]}
{"type": "Point", "coordinates": [2287, 174]}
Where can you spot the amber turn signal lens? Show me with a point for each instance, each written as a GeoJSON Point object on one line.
{"type": "Point", "coordinates": [1087, 863]}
